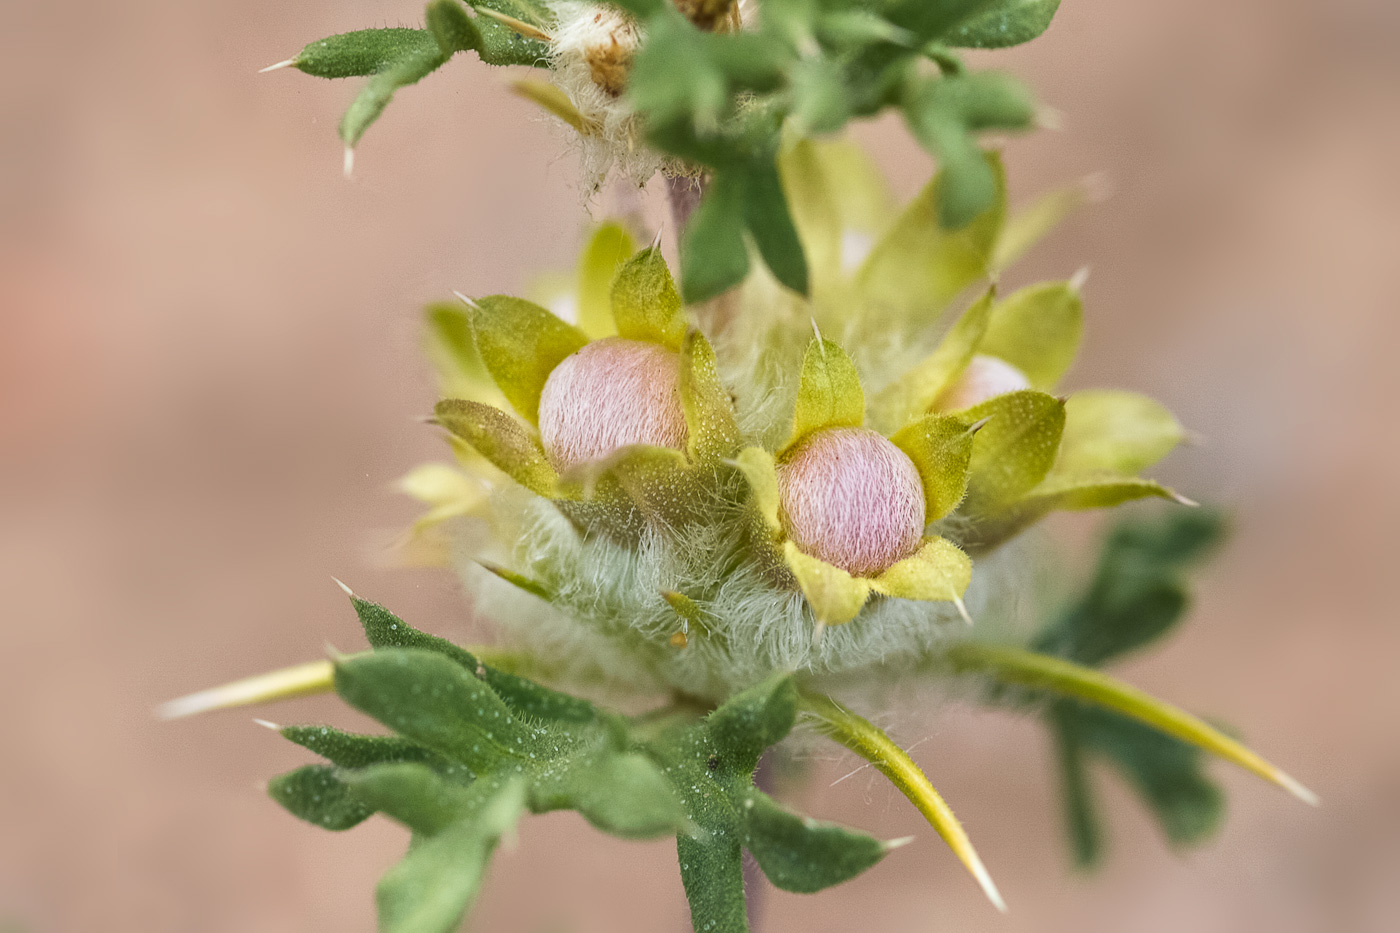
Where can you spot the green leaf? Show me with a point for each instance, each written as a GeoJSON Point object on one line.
{"type": "Point", "coordinates": [645, 303]}
{"type": "Point", "coordinates": [624, 795]}
{"type": "Point", "coordinates": [943, 114]}
{"type": "Point", "coordinates": [1168, 774]}
{"type": "Point", "coordinates": [1110, 430]}
{"type": "Point", "coordinates": [1138, 592]}
{"type": "Point", "coordinates": [752, 720]}
{"type": "Point", "coordinates": [383, 629]}
{"type": "Point", "coordinates": [714, 257]}
{"type": "Point", "coordinates": [314, 793]}
{"type": "Point", "coordinates": [1014, 451]}
{"type": "Point", "coordinates": [500, 439]}
{"type": "Point", "coordinates": [607, 251]}
{"type": "Point", "coordinates": [430, 890]}
{"type": "Point", "coordinates": [412, 794]}
{"type": "Point", "coordinates": [1082, 822]}
{"type": "Point", "coordinates": [711, 431]}
{"type": "Point", "coordinates": [941, 448]}
{"type": "Point", "coordinates": [918, 266]}
{"type": "Point", "coordinates": [1004, 23]}
{"type": "Point", "coordinates": [521, 343]}
{"type": "Point", "coordinates": [916, 392]}
{"type": "Point", "coordinates": [828, 394]}
{"type": "Point", "coordinates": [1037, 330]}
{"type": "Point", "coordinates": [452, 28]}
{"type": "Point", "coordinates": [349, 750]}
{"type": "Point", "coordinates": [432, 700]}
{"type": "Point", "coordinates": [711, 764]}
{"type": "Point", "coordinates": [802, 855]}
{"type": "Point", "coordinates": [411, 68]}
{"type": "Point", "coordinates": [769, 222]}
{"type": "Point", "coordinates": [363, 52]}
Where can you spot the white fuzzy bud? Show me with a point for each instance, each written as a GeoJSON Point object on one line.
{"type": "Point", "coordinates": [612, 393]}
{"type": "Point", "coordinates": [984, 378]}
{"type": "Point", "coordinates": [853, 499]}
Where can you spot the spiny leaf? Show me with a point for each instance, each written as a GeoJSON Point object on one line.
{"type": "Point", "coordinates": [645, 303]}
{"type": "Point", "coordinates": [829, 394]}
{"type": "Point", "coordinates": [1014, 451]}
{"type": "Point", "coordinates": [1037, 330]}
{"type": "Point", "coordinates": [711, 431]}
{"type": "Point", "coordinates": [362, 52]}
{"type": "Point", "coordinates": [521, 343]}
{"type": "Point", "coordinates": [802, 855]}
{"type": "Point", "coordinates": [500, 439]}
{"type": "Point", "coordinates": [941, 448]}
{"type": "Point", "coordinates": [937, 572]}
{"type": "Point", "coordinates": [432, 700]}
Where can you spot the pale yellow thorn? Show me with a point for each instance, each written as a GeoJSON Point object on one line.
{"type": "Point", "coordinates": [340, 583]}
{"type": "Point", "coordinates": [286, 64]}
{"type": "Point", "coordinates": [302, 680]}
{"type": "Point", "coordinates": [349, 165]}
{"type": "Point", "coordinates": [1182, 500]}
{"type": "Point", "coordinates": [962, 610]}
{"type": "Point", "coordinates": [656, 240]}
{"type": "Point", "coordinates": [268, 725]}
{"type": "Point", "coordinates": [1076, 281]}
{"type": "Point", "coordinates": [470, 303]}
{"type": "Point", "coordinates": [524, 28]}
{"type": "Point", "coordinates": [901, 842]}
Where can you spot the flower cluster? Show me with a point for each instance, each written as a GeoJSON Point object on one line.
{"type": "Point", "coordinates": [701, 514]}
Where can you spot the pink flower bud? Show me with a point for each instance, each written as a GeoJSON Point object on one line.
{"type": "Point", "coordinates": [853, 499]}
{"type": "Point", "coordinates": [612, 393]}
{"type": "Point", "coordinates": [985, 377]}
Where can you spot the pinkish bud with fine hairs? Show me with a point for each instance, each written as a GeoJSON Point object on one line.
{"type": "Point", "coordinates": [612, 393]}
{"type": "Point", "coordinates": [852, 499]}
{"type": "Point", "coordinates": [984, 378]}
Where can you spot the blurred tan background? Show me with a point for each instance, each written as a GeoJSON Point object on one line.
{"type": "Point", "coordinates": [209, 378]}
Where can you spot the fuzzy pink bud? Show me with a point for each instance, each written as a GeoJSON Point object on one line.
{"type": "Point", "coordinates": [612, 393]}
{"type": "Point", "coordinates": [984, 378]}
{"type": "Point", "coordinates": [853, 499]}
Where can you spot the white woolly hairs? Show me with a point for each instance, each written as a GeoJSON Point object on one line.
{"type": "Point", "coordinates": [612, 393]}
{"type": "Point", "coordinates": [853, 499]}
{"type": "Point", "coordinates": [985, 377]}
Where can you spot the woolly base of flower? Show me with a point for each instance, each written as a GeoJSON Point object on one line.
{"type": "Point", "coordinates": [609, 621]}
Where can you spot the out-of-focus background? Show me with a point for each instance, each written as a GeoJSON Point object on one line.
{"type": "Point", "coordinates": [209, 378]}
